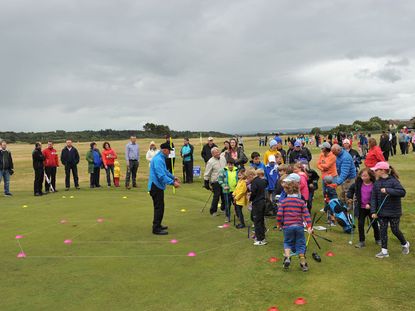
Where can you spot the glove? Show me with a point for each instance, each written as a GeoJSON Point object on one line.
{"type": "Point", "coordinates": [207, 185]}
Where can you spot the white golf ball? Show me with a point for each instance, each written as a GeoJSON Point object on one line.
{"type": "Point", "coordinates": [350, 242]}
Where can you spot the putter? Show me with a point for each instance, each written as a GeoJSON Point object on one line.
{"type": "Point", "coordinates": [316, 257]}
{"type": "Point", "coordinates": [202, 210]}
{"type": "Point", "coordinates": [353, 225]}
{"type": "Point", "coordinates": [227, 207]}
{"type": "Point", "coordinates": [374, 219]}
{"type": "Point", "coordinates": [49, 183]}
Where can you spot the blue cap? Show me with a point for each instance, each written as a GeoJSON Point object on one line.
{"type": "Point", "coordinates": [297, 143]}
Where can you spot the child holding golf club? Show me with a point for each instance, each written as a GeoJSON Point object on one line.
{"type": "Point", "coordinates": [386, 206]}
{"type": "Point", "coordinates": [360, 193]}
{"type": "Point", "coordinates": [228, 179]}
{"type": "Point", "coordinates": [240, 198]}
{"type": "Point", "coordinates": [292, 213]}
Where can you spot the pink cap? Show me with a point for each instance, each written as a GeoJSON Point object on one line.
{"type": "Point", "coordinates": [381, 166]}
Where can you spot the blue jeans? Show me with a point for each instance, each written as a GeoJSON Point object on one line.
{"type": "Point", "coordinates": [294, 239]}
{"type": "Point", "coordinates": [6, 176]}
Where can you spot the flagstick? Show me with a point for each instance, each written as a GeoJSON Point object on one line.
{"type": "Point", "coordinates": [172, 165]}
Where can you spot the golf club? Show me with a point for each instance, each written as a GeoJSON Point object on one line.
{"type": "Point", "coordinates": [315, 240]}
{"type": "Point", "coordinates": [353, 225]}
{"type": "Point", "coordinates": [377, 212]}
{"type": "Point", "coordinates": [49, 183]}
{"type": "Point", "coordinates": [316, 257]}
{"type": "Point", "coordinates": [322, 237]}
{"type": "Point", "coordinates": [207, 201]}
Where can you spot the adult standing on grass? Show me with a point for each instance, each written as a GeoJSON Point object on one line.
{"type": "Point", "coordinates": [151, 152]}
{"type": "Point", "coordinates": [158, 179]}
{"type": "Point", "coordinates": [70, 159]}
{"type": "Point", "coordinates": [374, 155]}
{"type": "Point", "coordinates": [51, 163]}
{"type": "Point", "coordinates": [213, 167]}
{"type": "Point", "coordinates": [236, 153]}
{"type": "Point", "coordinates": [345, 169]}
{"type": "Point", "coordinates": [187, 155]}
{"type": "Point", "coordinates": [384, 145]}
{"type": "Point", "coordinates": [132, 158]}
{"type": "Point", "coordinates": [354, 153]}
{"type": "Point", "coordinates": [108, 158]}
{"type": "Point", "coordinates": [38, 158]}
{"type": "Point", "coordinates": [402, 143]}
{"type": "Point", "coordinates": [6, 167]}
{"type": "Point", "coordinates": [207, 150]}
{"type": "Point", "coordinates": [171, 160]}
{"type": "Point", "coordinates": [94, 159]}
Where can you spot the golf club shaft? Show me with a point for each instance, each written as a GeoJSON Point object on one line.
{"type": "Point", "coordinates": [206, 202]}
{"type": "Point", "coordinates": [322, 237]}
{"type": "Point", "coordinates": [315, 240]}
{"type": "Point", "coordinates": [377, 212]}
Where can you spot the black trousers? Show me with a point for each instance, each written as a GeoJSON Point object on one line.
{"type": "Point", "coordinates": [393, 150]}
{"type": "Point", "coordinates": [363, 214]}
{"type": "Point", "coordinates": [239, 214]}
{"type": "Point", "coordinates": [402, 146]}
{"type": "Point", "coordinates": [74, 169]}
{"type": "Point", "coordinates": [158, 202]}
{"type": "Point", "coordinates": [394, 222]}
{"type": "Point", "coordinates": [131, 172]}
{"type": "Point", "coordinates": [386, 154]}
{"type": "Point", "coordinates": [94, 177]}
{"type": "Point", "coordinates": [109, 170]}
{"type": "Point", "coordinates": [217, 194]}
{"type": "Point", "coordinates": [258, 214]}
{"type": "Point", "coordinates": [51, 173]}
{"type": "Point", "coordinates": [188, 171]}
{"type": "Point", "coordinates": [38, 183]}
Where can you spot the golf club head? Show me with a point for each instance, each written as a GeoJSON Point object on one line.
{"type": "Point", "coordinates": [316, 257]}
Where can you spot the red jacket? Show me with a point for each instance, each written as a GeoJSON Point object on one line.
{"type": "Point", "coordinates": [51, 157]}
{"type": "Point", "coordinates": [108, 157]}
{"type": "Point", "coordinates": [374, 156]}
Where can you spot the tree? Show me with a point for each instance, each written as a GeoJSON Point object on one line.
{"type": "Point", "coordinates": [315, 130]}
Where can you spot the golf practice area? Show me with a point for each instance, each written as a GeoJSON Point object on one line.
{"type": "Point", "coordinates": [93, 249]}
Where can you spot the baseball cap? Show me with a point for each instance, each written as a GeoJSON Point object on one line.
{"type": "Point", "coordinates": [272, 143]}
{"type": "Point", "coordinates": [346, 141]}
{"type": "Point", "coordinates": [165, 145]}
{"type": "Point", "coordinates": [271, 158]}
{"type": "Point", "coordinates": [292, 178]}
{"type": "Point", "coordinates": [381, 166]}
{"type": "Point", "coordinates": [297, 143]}
{"type": "Point", "coordinates": [278, 140]}
{"type": "Point", "coordinates": [325, 145]}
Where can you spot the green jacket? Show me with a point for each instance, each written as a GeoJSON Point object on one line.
{"type": "Point", "coordinates": [223, 179]}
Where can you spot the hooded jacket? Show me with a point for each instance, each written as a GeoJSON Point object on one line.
{"type": "Point", "coordinates": [392, 206]}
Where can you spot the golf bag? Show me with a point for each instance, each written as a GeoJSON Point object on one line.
{"type": "Point", "coordinates": [339, 210]}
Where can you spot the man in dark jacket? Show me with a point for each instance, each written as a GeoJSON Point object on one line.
{"type": "Point", "coordinates": [70, 159]}
{"type": "Point", "coordinates": [384, 144]}
{"type": "Point", "coordinates": [394, 143]}
{"type": "Point", "coordinates": [6, 167]}
{"type": "Point", "coordinates": [207, 150]}
{"type": "Point", "coordinates": [187, 154]}
{"type": "Point", "coordinates": [38, 158]}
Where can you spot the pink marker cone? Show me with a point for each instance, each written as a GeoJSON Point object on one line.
{"type": "Point", "coordinates": [300, 301]}
{"type": "Point", "coordinates": [191, 254]}
{"type": "Point", "coordinates": [225, 226]}
{"type": "Point", "coordinates": [273, 309]}
{"type": "Point", "coordinates": [63, 221]}
{"type": "Point", "coordinates": [273, 259]}
{"type": "Point", "coordinates": [67, 241]}
{"type": "Point", "coordinates": [100, 220]}
{"type": "Point", "coordinates": [21, 255]}
{"type": "Point", "coordinates": [329, 254]}
{"type": "Point", "coordinates": [18, 237]}
{"type": "Point", "coordinates": [174, 241]}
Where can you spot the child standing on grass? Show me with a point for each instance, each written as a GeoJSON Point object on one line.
{"type": "Point", "coordinates": [117, 173]}
{"type": "Point", "coordinates": [240, 198]}
{"type": "Point", "coordinates": [228, 179]}
{"type": "Point", "coordinates": [292, 213]}
{"type": "Point", "coordinates": [272, 175]}
{"type": "Point", "coordinates": [388, 189]}
{"type": "Point", "coordinates": [360, 193]}
{"type": "Point", "coordinates": [257, 197]}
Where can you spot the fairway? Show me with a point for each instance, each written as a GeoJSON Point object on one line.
{"type": "Point", "coordinates": [112, 261]}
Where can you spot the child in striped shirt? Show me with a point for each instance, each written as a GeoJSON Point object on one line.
{"type": "Point", "coordinates": [291, 215]}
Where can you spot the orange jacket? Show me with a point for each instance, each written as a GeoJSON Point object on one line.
{"type": "Point", "coordinates": [327, 165]}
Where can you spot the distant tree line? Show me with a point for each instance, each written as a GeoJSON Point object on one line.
{"type": "Point", "coordinates": [150, 130]}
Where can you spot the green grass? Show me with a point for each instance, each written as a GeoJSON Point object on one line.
{"type": "Point", "coordinates": [119, 265]}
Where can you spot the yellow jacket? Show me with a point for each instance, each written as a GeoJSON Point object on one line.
{"type": "Point", "coordinates": [117, 170]}
{"type": "Point", "coordinates": [240, 193]}
{"type": "Point", "coordinates": [270, 152]}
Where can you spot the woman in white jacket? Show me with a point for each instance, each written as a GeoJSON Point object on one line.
{"type": "Point", "coordinates": [152, 151]}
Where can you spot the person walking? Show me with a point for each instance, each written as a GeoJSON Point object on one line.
{"type": "Point", "coordinates": [213, 167]}
{"type": "Point", "coordinates": [151, 152]}
{"type": "Point", "coordinates": [108, 158]}
{"type": "Point", "coordinates": [6, 167]}
{"type": "Point", "coordinates": [94, 159]}
{"type": "Point", "coordinates": [70, 159]}
{"type": "Point", "coordinates": [159, 178]}
{"type": "Point", "coordinates": [187, 155]}
{"type": "Point", "coordinates": [38, 158]}
{"type": "Point", "coordinates": [51, 163]}
{"type": "Point", "coordinates": [132, 158]}
{"type": "Point", "coordinates": [207, 150]}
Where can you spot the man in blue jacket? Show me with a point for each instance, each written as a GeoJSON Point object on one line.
{"type": "Point", "coordinates": [346, 170]}
{"type": "Point", "coordinates": [158, 179]}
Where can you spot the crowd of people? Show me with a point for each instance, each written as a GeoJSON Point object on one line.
{"type": "Point", "coordinates": [280, 183]}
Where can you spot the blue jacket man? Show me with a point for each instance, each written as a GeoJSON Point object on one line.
{"type": "Point", "coordinates": [159, 178]}
{"type": "Point", "coordinates": [346, 170]}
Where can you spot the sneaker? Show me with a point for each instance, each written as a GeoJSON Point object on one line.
{"type": "Point", "coordinates": [382, 255]}
{"type": "Point", "coordinates": [260, 243]}
{"type": "Point", "coordinates": [77, 188]}
{"type": "Point", "coordinates": [332, 224]}
{"type": "Point", "coordinates": [227, 220]}
{"type": "Point", "coordinates": [379, 242]}
{"type": "Point", "coordinates": [214, 214]}
{"type": "Point", "coordinates": [304, 266]}
{"type": "Point", "coordinates": [360, 245]}
{"type": "Point", "coordinates": [8, 194]}
{"type": "Point", "coordinates": [286, 263]}
{"type": "Point", "coordinates": [405, 248]}
{"type": "Point", "coordinates": [67, 189]}
{"type": "Point", "coordinates": [240, 226]}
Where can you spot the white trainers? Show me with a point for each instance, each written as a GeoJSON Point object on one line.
{"type": "Point", "coordinates": [260, 243]}
{"type": "Point", "coordinates": [382, 255]}
{"type": "Point", "coordinates": [405, 248]}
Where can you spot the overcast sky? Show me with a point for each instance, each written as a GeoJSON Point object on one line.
{"type": "Point", "coordinates": [232, 66]}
